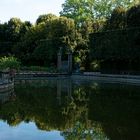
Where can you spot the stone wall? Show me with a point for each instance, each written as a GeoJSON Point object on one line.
{"type": "Point", "coordinates": [6, 87]}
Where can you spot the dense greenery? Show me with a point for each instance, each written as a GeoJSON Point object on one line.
{"type": "Point", "coordinates": [119, 50]}
{"type": "Point", "coordinates": [38, 44]}
{"type": "Point", "coordinates": [84, 10]}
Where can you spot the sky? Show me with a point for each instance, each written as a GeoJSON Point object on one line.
{"type": "Point", "coordinates": [28, 10]}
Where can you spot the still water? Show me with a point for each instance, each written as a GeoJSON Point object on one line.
{"type": "Point", "coordinates": [65, 109]}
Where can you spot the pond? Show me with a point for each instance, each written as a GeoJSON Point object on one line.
{"type": "Point", "coordinates": [67, 109]}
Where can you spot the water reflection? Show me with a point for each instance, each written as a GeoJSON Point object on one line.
{"type": "Point", "coordinates": [79, 109]}
{"type": "Point", "coordinates": [26, 132]}
{"type": "Point", "coordinates": [6, 96]}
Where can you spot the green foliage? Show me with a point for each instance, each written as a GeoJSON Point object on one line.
{"type": "Point", "coordinates": [16, 29]}
{"type": "Point", "coordinates": [103, 9]}
{"type": "Point", "coordinates": [24, 49]}
{"type": "Point", "coordinates": [13, 30]}
{"type": "Point", "coordinates": [119, 48]}
{"type": "Point", "coordinates": [10, 34]}
{"type": "Point", "coordinates": [117, 19]}
{"type": "Point", "coordinates": [3, 34]}
{"type": "Point", "coordinates": [77, 10]}
{"type": "Point", "coordinates": [45, 52]}
{"type": "Point", "coordinates": [95, 66]}
{"type": "Point", "coordinates": [91, 9]}
{"type": "Point", "coordinates": [41, 43]}
{"type": "Point", "coordinates": [14, 25]}
{"type": "Point", "coordinates": [90, 16]}
{"type": "Point", "coordinates": [6, 48]}
{"type": "Point", "coordinates": [45, 18]}
{"type": "Point", "coordinates": [79, 132]}
{"type": "Point", "coordinates": [9, 63]}
{"type": "Point", "coordinates": [133, 16]}
{"type": "Point", "coordinates": [92, 110]}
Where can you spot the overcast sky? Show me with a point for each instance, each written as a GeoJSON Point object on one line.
{"type": "Point", "coordinates": [28, 9]}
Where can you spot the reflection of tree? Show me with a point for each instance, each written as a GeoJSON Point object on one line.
{"type": "Point", "coordinates": [82, 128]}
{"type": "Point", "coordinates": [101, 109]}
{"type": "Point", "coordinates": [116, 107]}
{"type": "Point", "coordinates": [80, 132]}
{"type": "Point", "coordinates": [39, 104]}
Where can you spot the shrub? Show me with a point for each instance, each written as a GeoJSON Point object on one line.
{"type": "Point", "coordinates": [95, 66]}
{"type": "Point", "coordinates": [9, 63]}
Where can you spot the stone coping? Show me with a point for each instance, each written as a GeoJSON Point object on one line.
{"type": "Point", "coordinates": [83, 74]}
{"type": "Point", "coordinates": [134, 79]}
{"type": "Point", "coordinates": [6, 87]}
{"type": "Point", "coordinates": [93, 74]}
{"type": "Point", "coordinates": [111, 75]}
{"type": "Point", "coordinates": [109, 78]}
{"type": "Point", "coordinates": [121, 78]}
{"type": "Point", "coordinates": [39, 73]}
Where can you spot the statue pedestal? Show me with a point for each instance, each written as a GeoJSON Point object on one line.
{"type": "Point", "coordinates": [59, 63]}
{"type": "Point", "coordinates": [70, 62]}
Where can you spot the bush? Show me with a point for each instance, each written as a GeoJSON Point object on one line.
{"type": "Point", "coordinates": [9, 63]}
{"type": "Point", "coordinates": [95, 66]}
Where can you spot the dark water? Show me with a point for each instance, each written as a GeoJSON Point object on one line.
{"type": "Point", "coordinates": [70, 110]}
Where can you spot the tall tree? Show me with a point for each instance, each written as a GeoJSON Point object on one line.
{"type": "Point", "coordinates": [81, 10]}
{"type": "Point", "coordinates": [117, 19]}
{"type": "Point", "coordinates": [3, 28]}
{"type": "Point", "coordinates": [133, 16]}
{"type": "Point", "coordinates": [13, 29]}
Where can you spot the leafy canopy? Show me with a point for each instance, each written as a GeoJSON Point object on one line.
{"type": "Point", "coordinates": [81, 10]}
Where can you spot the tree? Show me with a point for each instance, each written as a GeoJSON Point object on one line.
{"type": "Point", "coordinates": [11, 33]}
{"type": "Point", "coordinates": [3, 28]}
{"type": "Point", "coordinates": [117, 19]}
{"type": "Point", "coordinates": [95, 12]}
{"type": "Point", "coordinates": [24, 49]}
{"type": "Point", "coordinates": [13, 29]}
{"type": "Point", "coordinates": [103, 9]}
{"type": "Point", "coordinates": [91, 9]}
{"type": "Point", "coordinates": [24, 28]}
{"type": "Point", "coordinates": [45, 18]}
{"type": "Point", "coordinates": [133, 16]}
{"type": "Point", "coordinates": [42, 41]}
{"type": "Point", "coordinates": [60, 32]}
{"type": "Point", "coordinates": [77, 10]}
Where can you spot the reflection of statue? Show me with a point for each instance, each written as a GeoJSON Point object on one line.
{"type": "Point", "coordinates": [60, 51]}
{"type": "Point", "coordinates": [77, 67]}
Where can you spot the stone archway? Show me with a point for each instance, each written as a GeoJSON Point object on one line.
{"type": "Point", "coordinates": [64, 66]}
